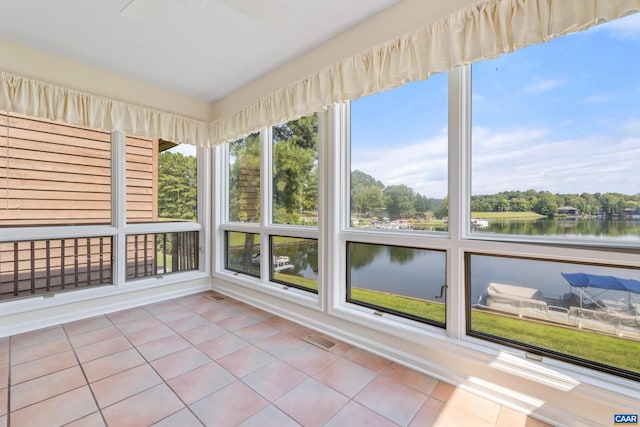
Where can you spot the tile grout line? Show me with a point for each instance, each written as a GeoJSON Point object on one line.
{"type": "Point", "coordinates": [148, 362]}
{"type": "Point", "coordinates": [84, 374]}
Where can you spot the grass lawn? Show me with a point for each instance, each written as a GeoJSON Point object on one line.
{"type": "Point", "coordinates": [416, 307]}
{"type": "Point", "coordinates": [507, 215]}
{"type": "Point", "coordinates": [605, 349]}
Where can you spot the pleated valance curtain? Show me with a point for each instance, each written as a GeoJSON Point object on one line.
{"type": "Point", "coordinates": [479, 31]}
{"type": "Point", "coordinates": [482, 30]}
{"type": "Point", "coordinates": [45, 100]}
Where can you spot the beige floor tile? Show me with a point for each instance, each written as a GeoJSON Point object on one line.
{"type": "Point", "coordinates": [229, 406]}
{"type": "Point", "coordinates": [203, 333]}
{"type": "Point", "coordinates": [315, 411]}
{"type": "Point", "coordinates": [270, 417]}
{"type": "Point", "coordinates": [38, 351]}
{"type": "Point", "coordinates": [125, 384]}
{"type": "Point", "coordinates": [102, 348]}
{"type": "Point", "coordinates": [222, 346]}
{"type": "Point", "coordinates": [145, 364]}
{"type": "Point", "coordinates": [59, 410]}
{"type": "Point", "coordinates": [147, 335]}
{"type": "Point", "coordinates": [429, 413]}
{"type": "Point", "coordinates": [237, 321]}
{"type": "Point", "coordinates": [345, 376]}
{"type": "Point", "coordinates": [443, 391]}
{"type": "Point", "coordinates": [275, 379]}
{"type": "Point", "coordinates": [173, 315]}
{"type": "Point", "coordinates": [91, 420]}
{"type": "Point", "coordinates": [280, 344]}
{"type": "Point", "coordinates": [87, 325]}
{"type": "Point", "coordinates": [201, 382]}
{"type": "Point", "coordinates": [41, 388]}
{"type": "Point", "coordinates": [354, 414]}
{"type": "Point", "coordinates": [366, 359]}
{"type": "Point", "coordinates": [242, 362]}
{"type": "Point", "coordinates": [93, 337]}
{"type": "Point", "coordinates": [41, 336]}
{"type": "Point", "coordinates": [163, 306]}
{"type": "Point", "coordinates": [393, 400]}
{"type": "Point", "coordinates": [183, 418]}
{"type": "Point", "coordinates": [415, 379]}
{"type": "Point", "coordinates": [180, 362]}
{"type": "Point", "coordinates": [309, 358]}
{"type": "Point", "coordinates": [163, 347]}
{"type": "Point", "coordinates": [131, 327]}
{"type": "Point", "coordinates": [124, 316]}
{"type": "Point", "coordinates": [143, 409]}
{"type": "Point", "coordinates": [257, 332]}
{"type": "Point", "coordinates": [98, 369]}
{"type": "Point", "coordinates": [189, 322]}
{"type": "Point", "coordinates": [39, 367]}
{"type": "Point", "coordinates": [474, 405]}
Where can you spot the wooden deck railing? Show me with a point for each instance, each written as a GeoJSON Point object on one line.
{"type": "Point", "coordinates": [40, 267]}
{"type": "Point", "coordinates": [37, 267]}
{"type": "Point", "coordinates": [162, 253]}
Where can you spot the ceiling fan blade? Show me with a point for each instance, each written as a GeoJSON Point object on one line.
{"type": "Point", "coordinates": [267, 11]}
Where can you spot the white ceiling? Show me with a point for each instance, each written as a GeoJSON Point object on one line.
{"type": "Point", "coordinates": [205, 53]}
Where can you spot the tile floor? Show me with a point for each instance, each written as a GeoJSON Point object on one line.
{"type": "Point", "coordinates": [192, 361]}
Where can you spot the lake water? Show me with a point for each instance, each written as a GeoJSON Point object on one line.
{"type": "Point", "coordinates": [420, 273]}
{"type": "Point", "coordinates": [597, 228]}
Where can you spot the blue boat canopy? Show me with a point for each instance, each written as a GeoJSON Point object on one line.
{"type": "Point", "coordinates": [584, 280]}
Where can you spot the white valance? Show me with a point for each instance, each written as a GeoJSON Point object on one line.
{"type": "Point", "coordinates": [479, 31]}
{"type": "Point", "coordinates": [40, 99]}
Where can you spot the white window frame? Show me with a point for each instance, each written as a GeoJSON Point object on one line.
{"type": "Point", "coordinates": [265, 227]}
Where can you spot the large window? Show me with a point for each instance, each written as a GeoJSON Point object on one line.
{"type": "Point", "coordinates": [398, 155]}
{"type": "Point", "coordinates": [555, 139]}
{"type": "Point", "coordinates": [288, 225]}
{"type": "Point", "coordinates": [482, 231]}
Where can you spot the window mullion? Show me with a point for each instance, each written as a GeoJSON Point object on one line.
{"type": "Point", "coordinates": [459, 172]}
{"type": "Point", "coordinates": [266, 192]}
{"type": "Point", "coordinates": [118, 203]}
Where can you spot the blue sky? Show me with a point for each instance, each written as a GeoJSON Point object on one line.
{"type": "Point", "coordinates": [563, 117]}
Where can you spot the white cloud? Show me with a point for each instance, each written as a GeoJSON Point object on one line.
{"type": "Point", "coordinates": [543, 85]}
{"type": "Point", "coordinates": [535, 160]}
{"type": "Point", "coordinates": [421, 166]}
{"type": "Point", "coordinates": [516, 159]}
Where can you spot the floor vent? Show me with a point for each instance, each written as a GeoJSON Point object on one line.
{"type": "Point", "coordinates": [216, 297]}
{"type": "Point", "coordinates": [320, 341]}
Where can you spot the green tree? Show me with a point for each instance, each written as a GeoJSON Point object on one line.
{"type": "Point", "coordinates": [366, 193]}
{"type": "Point", "coordinates": [177, 187]}
{"type": "Point", "coordinates": [400, 201]}
{"type": "Point", "coordinates": [546, 205]}
{"type": "Point", "coordinates": [295, 161]}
